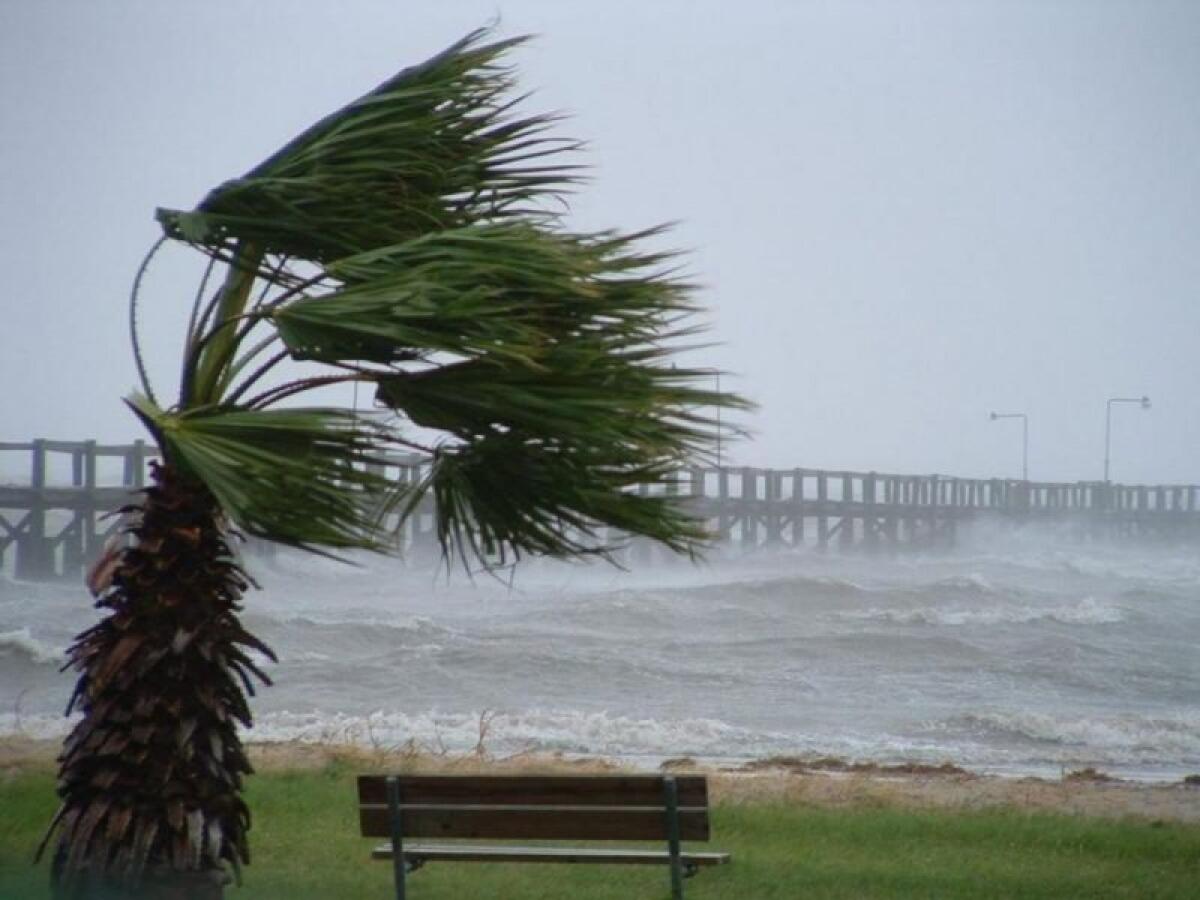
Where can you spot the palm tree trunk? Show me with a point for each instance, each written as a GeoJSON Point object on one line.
{"type": "Point", "coordinates": [150, 778]}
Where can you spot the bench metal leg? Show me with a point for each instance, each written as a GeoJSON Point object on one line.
{"type": "Point", "coordinates": [399, 864]}
{"type": "Point", "coordinates": [671, 792]}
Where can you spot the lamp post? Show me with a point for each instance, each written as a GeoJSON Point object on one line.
{"type": "Point", "coordinates": [1024, 439]}
{"type": "Point", "coordinates": [1143, 402]}
{"type": "Point", "coordinates": [717, 375]}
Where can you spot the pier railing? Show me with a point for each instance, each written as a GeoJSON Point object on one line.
{"type": "Point", "coordinates": [54, 497]}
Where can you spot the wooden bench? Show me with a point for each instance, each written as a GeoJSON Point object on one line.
{"type": "Point", "coordinates": [538, 807]}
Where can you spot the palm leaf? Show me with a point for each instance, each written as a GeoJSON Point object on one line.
{"type": "Point", "coordinates": [308, 478]}
{"type": "Point", "coordinates": [432, 147]}
{"type": "Point", "coordinates": [506, 290]}
{"type": "Point", "coordinates": [507, 495]}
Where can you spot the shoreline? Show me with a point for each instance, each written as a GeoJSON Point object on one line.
{"type": "Point", "coordinates": [827, 782]}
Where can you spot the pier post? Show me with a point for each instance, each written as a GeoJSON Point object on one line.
{"type": "Point", "coordinates": [797, 507]}
{"type": "Point", "coordinates": [846, 533]}
{"type": "Point", "coordinates": [79, 543]}
{"type": "Point", "coordinates": [870, 521]}
{"type": "Point", "coordinates": [822, 518]}
{"type": "Point", "coordinates": [749, 507]}
{"type": "Point", "coordinates": [774, 501]}
{"type": "Point", "coordinates": [134, 475]}
{"type": "Point", "coordinates": [33, 551]}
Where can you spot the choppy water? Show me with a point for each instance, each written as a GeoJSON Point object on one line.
{"type": "Point", "coordinates": [1014, 655]}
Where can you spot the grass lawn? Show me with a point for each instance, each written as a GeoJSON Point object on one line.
{"type": "Point", "coordinates": [305, 845]}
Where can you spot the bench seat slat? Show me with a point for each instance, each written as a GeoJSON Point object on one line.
{"type": "Point", "coordinates": [535, 823]}
{"type": "Point", "coordinates": [483, 853]}
{"type": "Point", "coordinates": [536, 790]}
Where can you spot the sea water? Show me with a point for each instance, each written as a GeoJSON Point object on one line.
{"type": "Point", "coordinates": [1015, 653]}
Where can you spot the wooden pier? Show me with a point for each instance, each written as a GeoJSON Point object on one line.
{"type": "Point", "coordinates": [53, 518]}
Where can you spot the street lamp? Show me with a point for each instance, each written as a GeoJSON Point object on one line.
{"type": "Point", "coordinates": [1143, 402]}
{"type": "Point", "coordinates": [1024, 439]}
{"type": "Point", "coordinates": [717, 375]}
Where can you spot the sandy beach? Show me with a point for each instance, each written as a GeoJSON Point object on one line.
{"type": "Point", "coordinates": [822, 782]}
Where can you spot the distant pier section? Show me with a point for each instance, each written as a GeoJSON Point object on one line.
{"type": "Point", "coordinates": [55, 498]}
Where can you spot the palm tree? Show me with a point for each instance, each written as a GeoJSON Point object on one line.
{"type": "Point", "coordinates": [412, 242]}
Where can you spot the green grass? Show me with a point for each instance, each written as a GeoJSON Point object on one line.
{"type": "Point", "coordinates": [306, 845]}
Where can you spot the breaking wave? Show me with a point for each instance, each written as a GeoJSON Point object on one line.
{"type": "Point", "coordinates": [1126, 739]}
{"type": "Point", "coordinates": [23, 644]}
{"type": "Point", "coordinates": [531, 731]}
{"type": "Point", "coordinates": [1087, 611]}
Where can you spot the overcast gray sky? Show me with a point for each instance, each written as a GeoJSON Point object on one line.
{"type": "Point", "coordinates": [906, 214]}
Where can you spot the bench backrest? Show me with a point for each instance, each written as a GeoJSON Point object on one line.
{"type": "Point", "coordinates": [536, 807]}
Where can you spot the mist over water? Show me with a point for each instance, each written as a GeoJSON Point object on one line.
{"type": "Point", "coordinates": [1017, 653]}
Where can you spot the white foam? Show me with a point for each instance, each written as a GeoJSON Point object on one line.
{"type": "Point", "coordinates": [22, 642]}
{"type": "Point", "coordinates": [972, 581]}
{"type": "Point", "coordinates": [1123, 739]}
{"type": "Point", "coordinates": [40, 726]}
{"type": "Point", "coordinates": [566, 731]}
{"type": "Point", "coordinates": [1087, 611]}
{"type": "Point", "coordinates": [414, 624]}
{"type": "Point", "coordinates": [1013, 742]}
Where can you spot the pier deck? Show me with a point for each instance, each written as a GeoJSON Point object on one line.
{"type": "Point", "coordinates": [53, 518]}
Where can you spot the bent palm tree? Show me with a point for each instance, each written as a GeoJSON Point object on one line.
{"type": "Point", "coordinates": [405, 242]}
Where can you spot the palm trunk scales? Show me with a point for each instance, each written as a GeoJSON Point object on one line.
{"type": "Point", "coordinates": [150, 777]}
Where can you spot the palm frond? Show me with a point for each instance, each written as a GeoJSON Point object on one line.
{"type": "Point", "coordinates": [308, 478]}
{"type": "Point", "coordinates": [507, 290]}
{"type": "Point", "coordinates": [433, 147]}
{"type": "Point", "coordinates": [507, 495]}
